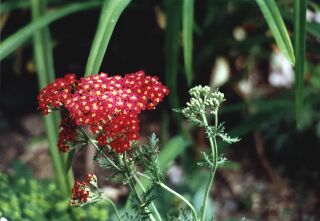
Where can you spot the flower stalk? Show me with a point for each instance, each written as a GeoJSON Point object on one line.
{"type": "Point", "coordinates": [154, 208]}
{"type": "Point", "coordinates": [194, 212]}
{"type": "Point", "coordinates": [214, 150]}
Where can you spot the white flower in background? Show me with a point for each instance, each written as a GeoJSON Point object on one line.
{"type": "Point", "coordinates": [239, 33]}
{"type": "Point", "coordinates": [313, 16]}
{"type": "Point", "coordinates": [220, 73]}
{"type": "Point", "coordinates": [281, 71]}
{"type": "Point", "coordinates": [246, 87]}
{"type": "Point", "coordinates": [3, 219]}
{"type": "Point", "coordinates": [174, 174]}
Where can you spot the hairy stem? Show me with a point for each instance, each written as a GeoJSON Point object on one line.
{"type": "Point", "coordinates": [131, 183]}
{"type": "Point", "coordinates": [214, 150]}
{"type": "Point", "coordinates": [144, 190]}
{"type": "Point", "coordinates": [93, 143]}
{"type": "Point", "coordinates": [194, 213]}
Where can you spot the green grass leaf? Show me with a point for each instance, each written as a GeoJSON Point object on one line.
{"type": "Point", "coordinates": [18, 38]}
{"type": "Point", "coordinates": [300, 8]}
{"type": "Point", "coordinates": [69, 161]}
{"type": "Point", "coordinates": [313, 28]}
{"type": "Point", "coordinates": [45, 70]}
{"type": "Point", "coordinates": [279, 31]}
{"type": "Point", "coordinates": [187, 38]}
{"type": "Point", "coordinates": [12, 5]}
{"type": "Point", "coordinates": [111, 11]}
{"type": "Point", "coordinates": [172, 41]}
{"type": "Point", "coordinates": [176, 146]}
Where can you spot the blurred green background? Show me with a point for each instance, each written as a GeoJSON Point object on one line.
{"type": "Point", "coordinates": [234, 45]}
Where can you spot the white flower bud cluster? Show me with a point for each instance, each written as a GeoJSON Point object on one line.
{"type": "Point", "coordinates": [214, 100]}
{"type": "Point", "coordinates": [202, 99]}
{"type": "Point", "coordinates": [195, 104]}
{"type": "Point", "coordinates": [199, 91]}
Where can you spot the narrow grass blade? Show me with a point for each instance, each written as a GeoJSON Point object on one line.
{"type": "Point", "coordinates": [56, 161]}
{"type": "Point", "coordinates": [187, 31]}
{"type": "Point", "coordinates": [111, 11]}
{"type": "Point", "coordinates": [300, 8]}
{"type": "Point", "coordinates": [12, 5]}
{"type": "Point", "coordinates": [69, 161]}
{"type": "Point", "coordinates": [279, 31]}
{"type": "Point", "coordinates": [18, 4]}
{"type": "Point", "coordinates": [313, 28]}
{"type": "Point", "coordinates": [18, 38]}
{"type": "Point", "coordinates": [45, 71]}
{"type": "Point", "coordinates": [171, 150]}
{"type": "Point", "coordinates": [172, 40]}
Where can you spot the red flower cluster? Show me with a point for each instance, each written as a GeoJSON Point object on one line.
{"type": "Point", "coordinates": [55, 94]}
{"type": "Point", "coordinates": [91, 179]}
{"type": "Point", "coordinates": [67, 134]}
{"type": "Point", "coordinates": [108, 105]}
{"type": "Point", "coordinates": [81, 192]}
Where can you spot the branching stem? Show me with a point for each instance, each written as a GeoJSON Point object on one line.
{"type": "Point", "coordinates": [194, 212]}
{"type": "Point", "coordinates": [144, 190]}
{"type": "Point", "coordinates": [132, 185]}
{"type": "Point", "coordinates": [93, 143]}
{"type": "Point", "coordinates": [214, 150]}
{"type": "Point", "coordinates": [114, 207]}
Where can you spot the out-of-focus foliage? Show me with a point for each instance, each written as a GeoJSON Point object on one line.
{"type": "Point", "coordinates": [23, 199]}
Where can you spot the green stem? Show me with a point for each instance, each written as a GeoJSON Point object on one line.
{"type": "Point", "coordinates": [56, 162]}
{"type": "Point", "coordinates": [143, 175]}
{"type": "Point", "coordinates": [300, 7]}
{"type": "Point", "coordinates": [144, 190]}
{"type": "Point", "coordinates": [214, 150]}
{"type": "Point", "coordinates": [194, 213]}
{"type": "Point", "coordinates": [114, 207]}
{"type": "Point", "coordinates": [45, 71]}
{"type": "Point", "coordinates": [131, 183]}
{"type": "Point", "coordinates": [111, 11]}
{"type": "Point", "coordinates": [93, 143]}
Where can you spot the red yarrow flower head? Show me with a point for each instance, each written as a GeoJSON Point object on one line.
{"type": "Point", "coordinates": [109, 105]}
{"type": "Point", "coordinates": [81, 191]}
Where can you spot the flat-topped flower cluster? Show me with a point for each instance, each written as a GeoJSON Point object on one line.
{"type": "Point", "coordinates": [108, 105]}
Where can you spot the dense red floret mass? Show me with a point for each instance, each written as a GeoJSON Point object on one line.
{"type": "Point", "coordinates": [55, 94]}
{"type": "Point", "coordinates": [119, 132]}
{"type": "Point", "coordinates": [67, 134]}
{"type": "Point", "coordinates": [108, 105]}
{"type": "Point", "coordinates": [80, 193]}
